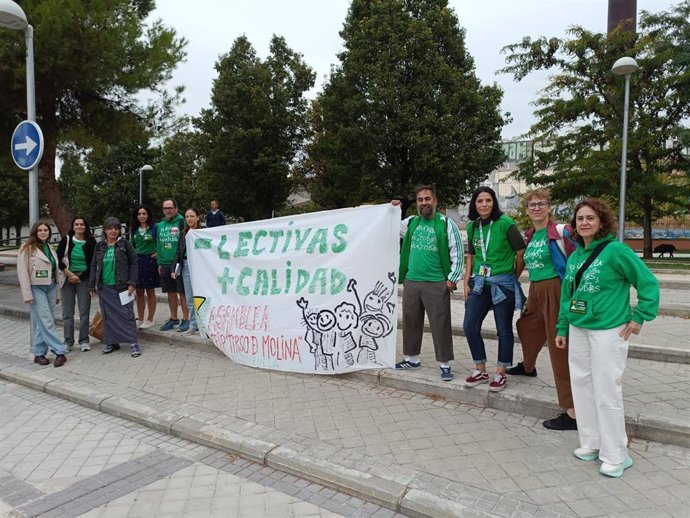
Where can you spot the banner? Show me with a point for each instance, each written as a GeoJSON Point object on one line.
{"type": "Point", "coordinates": [314, 293]}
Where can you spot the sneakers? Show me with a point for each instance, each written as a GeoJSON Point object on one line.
{"type": "Point", "coordinates": [41, 360]}
{"type": "Point", "coordinates": [68, 348]}
{"type": "Point", "coordinates": [615, 470]}
{"type": "Point", "coordinates": [108, 348]}
{"type": "Point", "coordinates": [85, 347]}
{"type": "Point", "coordinates": [184, 326]}
{"type": "Point", "coordinates": [191, 331]}
{"type": "Point", "coordinates": [586, 454]}
{"type": "Point", "coordinates": [135, 351]}
{"type": "Point", "coordinates": [519, 370]}
{"type": "Point", "coordinates": [408, 365]}
{"type": "Point", "coordinates": [478, 377]}
{"type": "Point", "coordinates": [170, 324]}
{"type": "Point", "coordinates": [60, 360]}
{"type": "Point", "coordinates": [446, 374]}
{"type": "Point", "coordinates": [562, 422]}
{"type": "Point", "coordinates": [498, 383]}
{"type": "Point", "coordinates": [146, 324]}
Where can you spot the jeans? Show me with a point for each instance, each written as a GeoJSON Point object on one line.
{"type": "Point", "coordinates": [44, 336]}
{"type": "Point", "coordinates": [187, 280]}
{"type": "Point", "coordinates": [69, 293]}
{"type": "Point", "coordinates": [477, 306]}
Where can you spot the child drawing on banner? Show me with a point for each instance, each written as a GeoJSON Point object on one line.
{"type": "Point", "coordinates": [373, 327]}
{"type": "Point", "coordinates": [347, 320]}
{"type": "Point", "coordinates": [375, 321]}
{"type": "Point", "coordinates": [319, 335]}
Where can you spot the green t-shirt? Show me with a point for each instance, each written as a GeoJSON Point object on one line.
{"type": "Point", "coordinates": [425, 260]}
{"type": "Point", "coordinates": [500, 255]}
{"type": "Point", "coordinates": [168, 236]}
{"type": "Point", "coordinates": [143, 241]}
{"type": "Point", "coordinates": [538, 257]}
{"type": "Point", "coordinates": [108, 271]}
{"type": "Point", "coordinates": [77, 259]}
{"type": "Point", "coordinates": [49, 253]}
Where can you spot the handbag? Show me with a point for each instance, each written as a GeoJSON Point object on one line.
{"type": "Point", "coordinates": [96, 326]}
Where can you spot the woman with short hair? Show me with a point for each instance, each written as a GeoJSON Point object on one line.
{"type": "Point", "coordinates": [74, 254]}
{"type": "Point", "coordinates": [114, 276]}
{"type": "Point", "coordinates": [595, 322]}
{"type": "Point", "coordinates": [548, 248]}
{"type": "Point", "coordinates": [38, 274]}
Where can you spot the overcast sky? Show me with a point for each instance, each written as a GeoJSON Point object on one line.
{"type": "Point", "coordinates": [311, 27]}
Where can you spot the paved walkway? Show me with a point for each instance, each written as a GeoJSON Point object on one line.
{"type": "Point", "coordinates": [400, 439]}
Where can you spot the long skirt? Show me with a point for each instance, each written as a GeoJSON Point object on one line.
{"type": "Point", "coordinates": [119, 323]}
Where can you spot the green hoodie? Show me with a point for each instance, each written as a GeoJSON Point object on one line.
{"type": "Point", "coordinates": [167, 237]}
{"type": "Point", "coordinates": [602, 300]}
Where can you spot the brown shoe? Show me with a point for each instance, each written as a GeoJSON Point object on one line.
{"type": "Point", "coordinates": [41, 360]}
{"type": "Point", "coordinates": [60, 360]}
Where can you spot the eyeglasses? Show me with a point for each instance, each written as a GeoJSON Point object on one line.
{"type": "Point", "coordinates": [168, 208]}
{"type": "Point", "coordinates": [538, 204]}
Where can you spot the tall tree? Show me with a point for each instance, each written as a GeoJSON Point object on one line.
{"type": "Point", "coordinates": [255, 127]}
{"type": "Point", "coordinates": [580, 114]}
{"type": "Point", "coordinates": [403, 107]}
{"type": "Point", "coordinates": [92, 58]}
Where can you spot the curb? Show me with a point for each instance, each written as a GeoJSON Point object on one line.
{"type": "Point", "coordinates": [661, 429]}
{"type": "Point", "coordinates": [399, 497]}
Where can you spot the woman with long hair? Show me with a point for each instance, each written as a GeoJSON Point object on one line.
{"type": "Point", "coordinates": [38, 273]}
{"type": "Point", "coordinates": [494, 246]}
{"type": "Point", "coordinates": [595, 322]}
{"type": "Point", "coordinates": [114, 276]}
{"type": "Point", "coordinates": [74, 254]}
{"type": "Point", "coordinates": [142, 234]}
{"type": "Point", "coordinates": [181, 267]}
{"type": "Point", "coordinates": [548, 248]}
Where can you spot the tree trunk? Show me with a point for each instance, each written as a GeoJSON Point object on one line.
{"type": "Point", "coordinates": [59, 211]}
{"type": "Point", "coordinates": [647, 228]}
{"type": "Point", "coordinates": [17, 234]}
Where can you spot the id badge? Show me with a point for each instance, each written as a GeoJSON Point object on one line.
{"type": "Point", "coordinates": [578, 306]}
{"type": "Point", "coordinates": [41, 274]}
{"type": "Point", "coordinates": [484, 270]}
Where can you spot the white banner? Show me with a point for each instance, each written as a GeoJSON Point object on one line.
{"type": "Point", "coordinates": [308, 293]}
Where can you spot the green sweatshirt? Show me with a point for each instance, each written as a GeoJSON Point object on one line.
{"type": "Point", "coordinates": [602, 300]}
{"type": "Point", "coordinates": [167, 237]}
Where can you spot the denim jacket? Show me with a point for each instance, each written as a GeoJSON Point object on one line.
{"type": "Point", "coordinates": [499, 283]}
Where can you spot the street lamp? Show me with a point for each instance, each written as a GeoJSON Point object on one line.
{"type": "Point", "coordinates": [143, 169]}
{"type": "Point", "coordinates": [624, 67]}
{"type": "Point", "coordinates": [12, 17]}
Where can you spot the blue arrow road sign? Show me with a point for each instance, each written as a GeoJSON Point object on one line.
{"type": "Point", "coordinates": [27, 145]}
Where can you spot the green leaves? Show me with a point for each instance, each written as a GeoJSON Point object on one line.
{"type": "Point", "coordinates": [404, 107]}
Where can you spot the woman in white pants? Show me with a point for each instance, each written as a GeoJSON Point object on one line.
{"type": "Point", "coordinates": [595, 321]}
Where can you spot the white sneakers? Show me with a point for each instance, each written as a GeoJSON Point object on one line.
{"type": "Point", "coordinates": [146, 324]}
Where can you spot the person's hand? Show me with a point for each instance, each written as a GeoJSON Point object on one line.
{"type": "Point", "coordinates": [74, 279]}
{"type": "Point", "coordinates": [395, 203]}
{"type": "Point", "coordinates": [92, 293]}
{"type": "Point", "coordinates": [153, 255]}
{"type": "Point", "coordinates": [173, 275]}
{"type": "Point", "coordinates": [451, 285]}
{"type": "Point", "coordinates": [130, 289]}
{"type": "Point", "coordinates": [631, 328]}
{"type": "Point", "coordinates": [467, 290]}
{"type": "Point", "coordinates": [561, 342]}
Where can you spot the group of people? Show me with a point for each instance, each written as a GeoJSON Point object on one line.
{"type": "Point", "coordinates": [118, 269]}
{"type": "Point", "coordinates": [578, 305]}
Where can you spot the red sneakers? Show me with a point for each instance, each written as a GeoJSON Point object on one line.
{"type": "Point", "coordinates": [498, 383]}
{"type": "Point", "coordinates": [478, 377]}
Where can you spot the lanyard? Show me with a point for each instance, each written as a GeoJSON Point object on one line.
{"type": "Point", "coordinates": [484, 247]}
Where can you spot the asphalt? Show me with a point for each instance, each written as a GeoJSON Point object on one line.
{"type": "Point", "coordinates": [656, 392]}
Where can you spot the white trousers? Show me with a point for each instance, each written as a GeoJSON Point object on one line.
{"type": "Point", "coordinates": [597, 360]}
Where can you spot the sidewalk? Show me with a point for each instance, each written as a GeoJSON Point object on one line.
{"type": "Point", "coordinates": [405, 440]}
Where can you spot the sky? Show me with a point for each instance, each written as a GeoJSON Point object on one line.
{"type": "Point", "coordinates": [311, 27]}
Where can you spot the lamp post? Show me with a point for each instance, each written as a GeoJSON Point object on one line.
{"type": "Point", "coordinates": [624, 67]}
{"type": "Point", "coordinates": [143, 169]}
{"type": "Point", "coordinates": [12, 17]}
